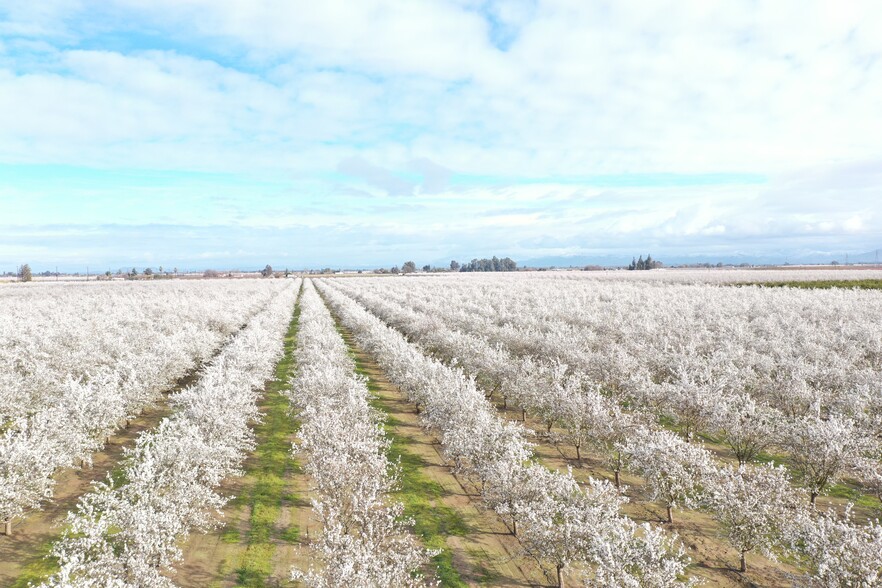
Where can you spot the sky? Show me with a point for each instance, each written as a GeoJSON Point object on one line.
{"type": "Point", "coordinates": [235, 133]}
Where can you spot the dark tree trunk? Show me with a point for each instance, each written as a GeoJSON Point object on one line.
{"type": "Point", "coordinates": [560, 581]}
{"type": "Point", "coordinates": [670, 514]}
{"type": "Point", "coordinates": [743, 561]}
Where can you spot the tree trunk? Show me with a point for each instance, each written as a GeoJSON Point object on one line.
{"type": "Point", "coordinates": [670, 514]}
{"type": "Point", "coordinates": [7, 527]}
{"type": "Point", "coordinates": [578, 455]}
{"type": "Point", "coordinates": [812, 497]}
{"type": "Point", "coordinates": [560, 581]}
{"type": "Point", "coordinates": [514, 527]}
{"type": "Point", "coordinates": [504, 403]}
{"type": "Point", "coordinates": [743, 561]}
{"type": "Point", "coordinates": [523, 416]}
{"type": "Point", "coordinates": [548, 428]}
{"type": "Point", "coordinates": [618, 482]}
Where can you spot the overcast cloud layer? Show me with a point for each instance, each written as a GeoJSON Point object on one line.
{"type": "Point", "coordinates": [218, 133]}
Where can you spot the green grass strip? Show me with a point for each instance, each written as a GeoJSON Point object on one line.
{"type": "Point", "coordinates": [272, 461]}
{"type": "Point", "coordinates": [41, 566]}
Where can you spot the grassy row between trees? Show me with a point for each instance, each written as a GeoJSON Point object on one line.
{"type": "Point", "coordinates": [273, 463]}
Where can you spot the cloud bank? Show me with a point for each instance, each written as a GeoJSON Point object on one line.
{"type": "Point", "coordinates": [435, 129]}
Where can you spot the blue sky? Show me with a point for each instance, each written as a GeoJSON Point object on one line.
{"type": "Point", "coordinates": [230, 133]}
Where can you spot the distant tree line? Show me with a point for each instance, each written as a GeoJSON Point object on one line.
{"type": "Point", "coordinates": [494, 264]}
{"type": "Point", "coordinates": [644, 264]}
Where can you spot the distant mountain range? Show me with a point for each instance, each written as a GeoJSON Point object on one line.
{"type": "Point", "coordinates": [736, 259]}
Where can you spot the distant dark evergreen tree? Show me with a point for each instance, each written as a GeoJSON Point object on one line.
{"type": "Point", "coordinates": [644, 264]}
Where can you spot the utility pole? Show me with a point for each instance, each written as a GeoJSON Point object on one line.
{"type": "Point", "coordinates": [56, 273]}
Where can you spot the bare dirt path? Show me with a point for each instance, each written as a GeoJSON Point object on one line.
{"type": "Point", "coordinates": [479, 550]}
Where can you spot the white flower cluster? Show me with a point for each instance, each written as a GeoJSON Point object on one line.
{"type": "Point", "coordinates": [364, 540]}
{"type": "Point", "coordinates": [126, 533]}
{"type": "Point", "coordinates": [837, 552]}
{"type": "Point", "coordinates": [78, 361]}
{"type": "Point", "coordinates": [556, 519]}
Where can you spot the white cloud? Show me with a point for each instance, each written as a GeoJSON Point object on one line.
{"type": "Point", "coordinates": [583, 87]}
{"type": "Point", "coordinates": [382, 90]}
